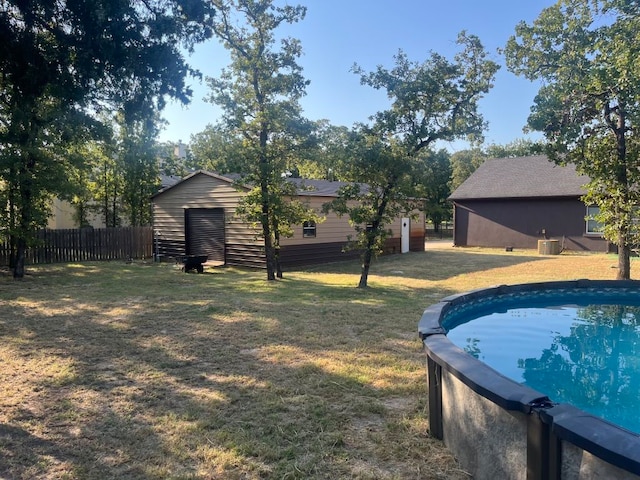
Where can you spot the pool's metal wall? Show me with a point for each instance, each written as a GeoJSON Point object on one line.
{"type": "Point", "coordinates": [500, 429]}
{"type": "Point", "coordinates": [480, 432]}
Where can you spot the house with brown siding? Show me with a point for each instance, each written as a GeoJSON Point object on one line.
{"type": "Point", "coordinates": [514, 202]}
{"type": "Point", "coordinates": [198, 216]}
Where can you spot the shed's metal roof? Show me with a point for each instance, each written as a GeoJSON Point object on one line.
{"type": "Point", "coordinates": [521, 177]}
{"type": "Point", "coordinates": [305, 187]}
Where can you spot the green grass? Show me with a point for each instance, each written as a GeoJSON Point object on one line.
{"type": "Point", "coordinates": [138, 371]}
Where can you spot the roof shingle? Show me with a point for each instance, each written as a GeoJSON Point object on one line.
{"type": "Point", "coordinates": [521, 177]}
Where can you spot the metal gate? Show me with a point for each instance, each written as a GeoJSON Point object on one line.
{"type": "Point", "coordinates": [204, 231]}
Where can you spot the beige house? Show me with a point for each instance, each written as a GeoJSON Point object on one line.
{"type": "Point", "coordinates": [63, 212]}
{"type": "Point", "coordinates": [196, 216]}
{"type": "Point", "coordinates": [62, 216]}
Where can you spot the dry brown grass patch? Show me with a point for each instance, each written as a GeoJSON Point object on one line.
{"type": "Point", "coordinates": [142, 372]}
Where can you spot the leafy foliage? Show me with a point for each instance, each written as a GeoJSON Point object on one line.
{"type": "Point", "coordinates": [463, 164]}
{"type": "Point", "coordinates": [588, 108]}
{"type": "Point", "coordinates": [430, 101]}
{"type": "Point", "coordinates": [259, 95]}
{"type": "Point", "coordinates": [432, 174]}
{"type": "Point", "coordinates": [371, 207]}
{"type": "Point", "coordinates": [217, 149]}
{"type": "Point", "coordinates": [64, 62]}
{"type": "Point", "coordinates": [138, 154]}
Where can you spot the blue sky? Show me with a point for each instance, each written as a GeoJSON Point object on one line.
{"type": "Point", "coordinates": [337, 33]}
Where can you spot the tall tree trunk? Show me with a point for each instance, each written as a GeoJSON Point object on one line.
{"type": "Point", "coordinates": [276, 249]}
{"type": "Point", "coordinates": [366, 264]}
{"type": "Point", "coordinates": [624, 250]}
{"type": "Point", "coordinates": [367, 256]}
{"type": "Point", "coordinates": [21, 251]}
{"type": "Point", "coordinates": [269, 251]}
{"type": "Point", "coordinates": [375, 231]}
{"type": "Point", "coordinates": [24, 217]}
{"type": "Point", "coordinates": [12, 220]}
{"type": "Point", "coordinates": [13, 255]}
{"type": "Point", "coordinates": [624, 262]}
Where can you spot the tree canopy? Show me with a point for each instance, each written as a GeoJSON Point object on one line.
{"type": "Point", "coordinates": [259, 93]}
{"type": "Point", "coordinates": [586, 52]}
{"type": "Point", "coordinates": [61, 64]}
{"type": "Point", "coordinates": [430, 101]}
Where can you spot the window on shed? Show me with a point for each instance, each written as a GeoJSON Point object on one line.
{"type": "Point", "coordinates": [309, 229]}
{"type": "Point", "coordinates": [594, 227]}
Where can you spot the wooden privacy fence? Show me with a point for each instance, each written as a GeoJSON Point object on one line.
{"type": "Point", "coordinates": [86, 244]}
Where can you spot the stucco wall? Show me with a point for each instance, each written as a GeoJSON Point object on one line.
{"type": "Point", "coordinates": [62, 213]}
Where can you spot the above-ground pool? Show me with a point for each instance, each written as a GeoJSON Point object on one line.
{"type": "Point", "coordinates": [537, 380]}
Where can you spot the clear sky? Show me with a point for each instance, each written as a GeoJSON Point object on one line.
{"type": "Point", "coordinates": [335, 34]}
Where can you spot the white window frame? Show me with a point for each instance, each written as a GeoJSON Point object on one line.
{"type": "Point", "coordinates": [309, 229]}
{"type": "Point", "coordinates": [593, 227]}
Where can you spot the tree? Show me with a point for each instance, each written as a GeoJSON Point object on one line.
{"type": "Point", "coordinates": [218, 149]}
{"type": "Point", "coordinates": [430, 101]}
{"type": "Point", "coordinates": [432, 176]}
{"type": "Point", "coordinates": [259, 95]}
{"type": "Point", "coordinates": [520, 147]}
{"type": "Point", "coordinates": [588, 108]}
{"type": "Point", "coordinates": [83, 180]}
{"type": "Point", "coordinates": [138, 155]}
{"type": "Point", "coordinates": [463, 164]}
{"type": "Point", "coordinates": [326, 153]}
{"type": "Point", "coordinates": [173, 158]}
{"type": "Point", "coordinates": [373, 205]}
{"type": "Point", "coordinates": [285, 211]}
{"type": "Point", "coordinates": [64, 62]}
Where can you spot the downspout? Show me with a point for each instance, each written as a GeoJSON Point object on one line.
{"type": "Point", "coordinates": [455, 230]}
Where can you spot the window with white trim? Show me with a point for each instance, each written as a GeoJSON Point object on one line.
{"type": "Point", "coordinates": [593, 226]}
{"type": "Point", "coordinates": [309, 229]}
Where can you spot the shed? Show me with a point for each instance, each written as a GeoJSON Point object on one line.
{"type": "Point", "coordinates": [197, 216]}
{"type": "Point", "coordinates": [515, 202]}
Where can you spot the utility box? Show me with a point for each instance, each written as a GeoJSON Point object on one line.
{"type": "Point", "coordinates": [549, 247]}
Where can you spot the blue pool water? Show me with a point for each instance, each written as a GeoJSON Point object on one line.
{"type": "Point", "coordinates": [585, 351]}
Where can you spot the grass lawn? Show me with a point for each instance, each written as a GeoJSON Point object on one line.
{"type": "Point", "coordinates": [123, 371]}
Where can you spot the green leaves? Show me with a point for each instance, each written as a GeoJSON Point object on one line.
{"type": "Point", "coordinates": [65, 63]}
{"type": "Point", "coordinates": [586, 53]}
{"type": "Point", "coordinates": [436, 99]}
{"type": "Point", "coordinates": [259, 95]}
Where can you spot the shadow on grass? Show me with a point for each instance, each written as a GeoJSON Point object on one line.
{"type": "Point", "coordinates": [430, 265]}
{"type": "Point", "coordinates": [142, 372]}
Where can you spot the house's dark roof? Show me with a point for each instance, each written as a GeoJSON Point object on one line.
{"type": "Point", "coordinates": [521, 177]}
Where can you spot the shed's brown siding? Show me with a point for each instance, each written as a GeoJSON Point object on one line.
{"type": "Point", "coordinates": [520, 223]}
{"type": "Point", "coordinates": [243, 246]}
{"type": "Point", "coordinates": [336, 230]}
{"type": "Point", "coordinates": [204, 191]}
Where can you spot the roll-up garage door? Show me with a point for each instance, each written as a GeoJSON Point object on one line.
{"type": "Point", "coordinates": [204, 230]}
